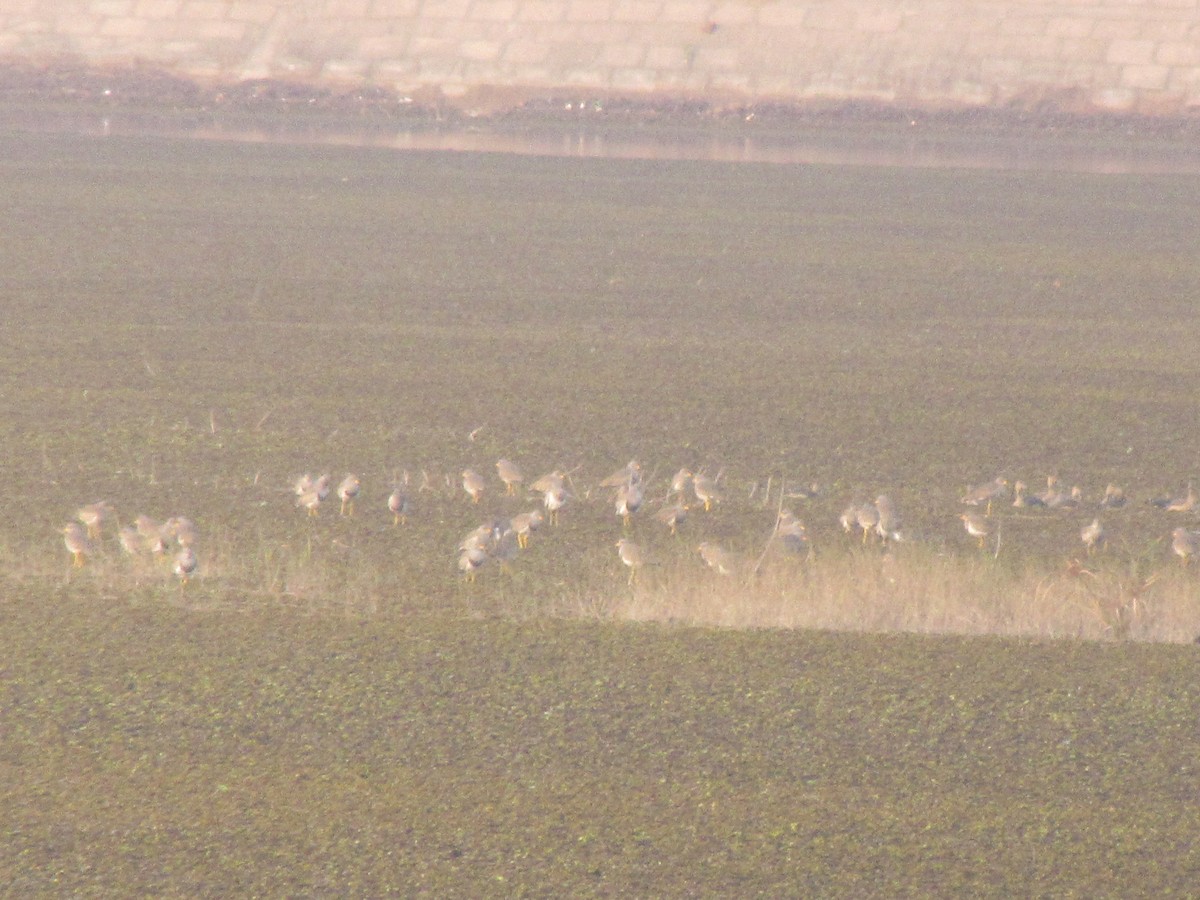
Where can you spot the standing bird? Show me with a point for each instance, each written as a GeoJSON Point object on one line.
{"type": "Point", "coordinates": [554, 500]}
{"type": "Point", "coordinates": [399, 504]}
{"type": "Point", "coordinates": [510, 475]}
{"type": "Point", "coordinates": [347, 491]}
{"type": "Point", "coordinates": [311, 493]}
{"type": "Point", "coordinates": [1052, 496]}
{"type": "Point", "coordinates": [151, 533]}
{"type": "Point", "coordinates": [631, 473]}
{"type": "Point", "coordinates": [185, 564]}
{"type": "Point", "coordinates": [866, 517]}
{"type": "Point", "coordinates": [551, 481]}
{"type": "Point", "coordinates": [986, 494]}
{"type": "Point", "coordinates": [471, 560]}
{"type": "Point", "coordinates": [506, 545]}
{"type": "Point", "coordinates": [717, 558]}
{"type": "Point", "coordinates": [310, 499]}
{"type": "Point", "coordinates": [131, 542]}
{"type": "Point", "coordinates": [475, 549]}
{"type": "Point", "coordinates": [680, 482]}
{"type": "Point", "coordinates": [791, 532]}
{"type": "Point", "coordinates": [1092, 535]}
{"type": "Point", "coordinates": [473, 484]}
{"type": "Point", "coordinates": [1185, 544]}
{"type": "Point", "coordinates": [631, 556]}
{"type": "Point", "coordinates": [849, 518]}
{"type": "Point", "coordinates": [707, 490]}
{"type": "Point", "coordinates": [76, 540]}
{"type": "Point", "coordinates": [181, 529]}
{"type": "Point", "coordinates": [93, 516]}
{"type": "Point", "coordinates": [524, 524]}
{"type": "Point", "coordinates": [976, 526]}
{"type": "Point", "coordinates": [629, 500]}
{"type": "Point", "coordinates": [888, 525]}
{"type": "Point", "coordinates": [553, 489]}
{"type": "Point", "coordinates": [672, 516]}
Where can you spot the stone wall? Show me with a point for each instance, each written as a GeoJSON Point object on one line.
{"type": "Point", "coordinates": [1078, 55]}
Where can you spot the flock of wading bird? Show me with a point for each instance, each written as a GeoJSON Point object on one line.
{"type": "Point", "coordinates": [501, 538]}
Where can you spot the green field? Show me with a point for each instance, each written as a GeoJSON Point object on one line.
{"type": "Point", "coordinates": [330, 708]}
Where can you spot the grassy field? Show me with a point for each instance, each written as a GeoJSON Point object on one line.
{"type": "Point", "coordinates": [329, 707]}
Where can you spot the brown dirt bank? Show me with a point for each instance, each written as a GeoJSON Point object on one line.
{"type": "Point", "coordinates": [64, 85]}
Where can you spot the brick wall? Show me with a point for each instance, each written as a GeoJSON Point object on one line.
{"type": "Point", "coordinates": [1117, 55]}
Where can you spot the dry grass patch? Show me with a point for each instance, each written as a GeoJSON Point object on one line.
{"type": "Point", "coordinates": [920, 590]}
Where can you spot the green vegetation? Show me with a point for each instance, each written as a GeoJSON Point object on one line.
{"type": "Point", "coordinates": [328, 708]}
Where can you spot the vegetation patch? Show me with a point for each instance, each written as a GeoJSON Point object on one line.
{"type": "Point", "coordinates": [328, 706]}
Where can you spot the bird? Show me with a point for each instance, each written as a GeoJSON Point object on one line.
{"type": "Point", "coordinates": [480, 538]}
{"type": "Point", "coordinates": [977, 526]}
{"type": "Point", "coordinates": [151, 533]}
{"type": "Point", "coordinates": [888, 524]}
{"type": "Point", "coordinates": [1064, 500]}
{"type": "Point", "coordinates": [310, 499]}
{"type": "Point", "coordinates": [986, 494]}
{"type": "Point", "coordinates": [131, 542]}
{"type": "Point", "coordinates": [631, 556]}
{"type": "Point", "coordinates": [471, 560]}
{"type": "Point", "coordinates": [1052, 496]}
{"type": "Point", "coordinates": [1092, 535]}
{"type": "Point", "coordinates": [524, 524]}
{"type": "Point", "coordinates": [551, 481]}
{"type": "Point", "coordinates": [809, 493]}
{"type": "Point", "coordinates": [311, 493]}
{"type": "Point", "coordinates": [554, 500]}
{"type": "Point", "coordinates": [707, 490]}
{"type": "Point", "coordinates": [93, 516]}
{"type": "Point", "coordinates": [791, 532]}
{"type": "Point", "coordinates": [849, 518]}
{"type": "Point", "coordinates": [1114, 498]}
{"type": "Point", "coordinates": [181, 529]}
{"type": "Point", "coordinates": [185, 564]}
{"type": "Point", "coordinates": [672, 516]}
{"type": "Point", "coordinates": [492, 539]}
{"type": "Point", "coordinates": [505, 545]}
{"type": "Point", "coordinates": [510, 475]}
{"type": "Point", "coordinates": [1022, 499]}
{"type": "Point", "coordinates": [1185, 503]}
{"type": "Point", "coordinates": [473, 484]}
{"type": "Point", "coordinates": [717, 558]}
{"type": "Point", "coordinates": [866, 517]}
{"type": "Point", "coordinates": [631, 472]}
{"type": "Point", "coordinates": [347, 491]}
{"type": "Point", "coordinates": [1185, 544]}
{"type": "Point", "coordinates": [399, 504]}
{"type": "Point", "coordinates": [319, 484]}
{"type": "Point", "coordinates": [75, 538]}
{"type": "Point", "coordinates": [629, 500]}
{"type": "Point", "coordinates": [680, 481]}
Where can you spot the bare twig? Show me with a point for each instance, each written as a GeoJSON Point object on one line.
{"type": "Point", "coordinates": [774, 531]}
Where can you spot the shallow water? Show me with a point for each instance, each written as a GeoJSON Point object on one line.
{"type": "Point", "coordinates": [887, 145]}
